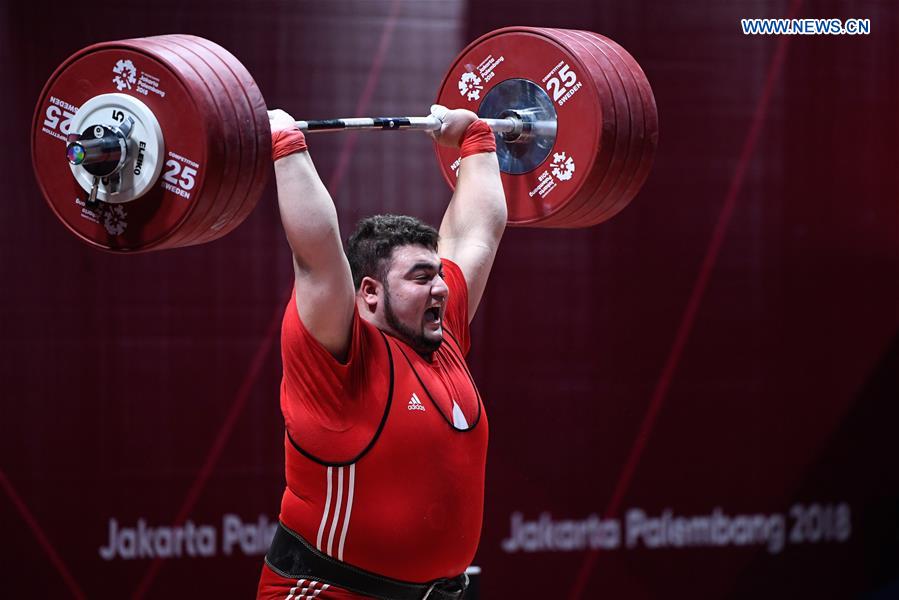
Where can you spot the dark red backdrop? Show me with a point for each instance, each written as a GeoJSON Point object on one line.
{"type": "Point", "coordinates": [728, 341]}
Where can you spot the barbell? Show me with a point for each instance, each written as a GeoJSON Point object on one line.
{"type": "Point", "coordinates": [167, 142]}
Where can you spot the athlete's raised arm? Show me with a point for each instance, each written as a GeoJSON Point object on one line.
{"type": "Point", "coordinates": [324, 286]}
{"type": "Point", "coordinates": [476, 216]}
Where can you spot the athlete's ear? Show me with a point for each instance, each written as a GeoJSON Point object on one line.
{"type": "Point", "coordinates": [370, 291]}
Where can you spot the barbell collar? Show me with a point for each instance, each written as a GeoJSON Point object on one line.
{"type": "Point", "coordinates": [108, 148]}
{"type": "Point", "coordinates": [109, 144]}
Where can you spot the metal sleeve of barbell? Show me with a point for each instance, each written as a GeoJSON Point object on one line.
{"type": "Point", "coordinates": [429, 123]}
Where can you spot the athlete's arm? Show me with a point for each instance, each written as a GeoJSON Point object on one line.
{"type": "Point", "coordinates": [324, 286]}
{"type": "Point", "coordinates": [476, 216]}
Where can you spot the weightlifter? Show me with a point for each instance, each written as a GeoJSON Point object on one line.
{"type": "Point", "coordinates": [386, 434]}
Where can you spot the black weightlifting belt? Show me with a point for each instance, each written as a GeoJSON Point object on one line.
{"type": "Point", "coordinates": [291, 556]}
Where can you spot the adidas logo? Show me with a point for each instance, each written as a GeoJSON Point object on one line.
{"type": "Point", "coordinates": [415, 403]}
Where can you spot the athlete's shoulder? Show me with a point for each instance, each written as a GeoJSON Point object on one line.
{"type": "Point", "coordinates": [456, 314]}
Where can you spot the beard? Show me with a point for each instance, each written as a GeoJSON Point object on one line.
{"type": "Point", "coordinates": [416, 339]}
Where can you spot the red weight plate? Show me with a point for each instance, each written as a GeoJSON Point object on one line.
{"type": "Point", "coordinates": [641, 133]}
{"type": "Point", "coordinates": [240, 119]}
{"type": "Point", "coordinates": [227, 140]}
{"type": "Point", "coordinates": [650, 136]}
{"type": "Point", "coordinates": [190, 160]}
{"type": "Point", "coordinates": [605, 183]}
{"type": "Point", "coordinates": [583, 130]}
{"type": "Point", "coordinates": [220, 141]}
{"type": "Point", "coordinates": [607, 158]}
{"type": "Point", "coordinates": [603, 202]}
{"type": "Point", "coordinates": [254, 126]}
{"type": "Point", "coordinates": [208, 67]}
{"type": "Point", "coordinates": [633, 181]}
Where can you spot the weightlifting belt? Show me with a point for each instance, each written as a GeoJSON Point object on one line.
{"type": "Point", "coordinates": [291, 556]}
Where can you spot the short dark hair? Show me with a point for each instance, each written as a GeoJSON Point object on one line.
{"type": "Point", "coordinates": [369, 247]}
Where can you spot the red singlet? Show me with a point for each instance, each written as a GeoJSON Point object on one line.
{"type": "Point", "coordinates": [385, 454]}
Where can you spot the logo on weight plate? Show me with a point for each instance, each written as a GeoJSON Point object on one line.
{"type": "Point", "coordinates": [470, 86]}
{"type": "Point", "coordinates": [114, 220]}
{"type": "Point", "coordinates": [125, 74]}
{"type": "Point", "coordinates": [563, 166]}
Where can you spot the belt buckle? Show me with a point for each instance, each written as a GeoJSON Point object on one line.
{"type": "Point", "coordinates": [458, 595]}
{"type": "Point", "coordinates": [430, 589]}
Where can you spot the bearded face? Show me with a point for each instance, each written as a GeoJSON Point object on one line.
{"type": "Point", "coordinates": [414, 298]}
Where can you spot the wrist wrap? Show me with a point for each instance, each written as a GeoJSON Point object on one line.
{"type": "Point", "coordinates": [287, 141]}
{"type": "Point", "coordinates": [477, 138]}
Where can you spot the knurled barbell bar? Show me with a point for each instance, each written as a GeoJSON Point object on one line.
{"type": "Point", "coordinates": [168, 144]}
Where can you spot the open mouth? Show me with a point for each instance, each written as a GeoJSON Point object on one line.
{"type": "Point", "coordinates": [432, 315]}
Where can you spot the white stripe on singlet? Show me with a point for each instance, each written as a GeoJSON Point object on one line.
{"type": "Point", "coordinates": [321, 528]}
{"type": "Point", "coordinates": [349, 509]}
{"type": "Point", "coordinates": [336, 517]}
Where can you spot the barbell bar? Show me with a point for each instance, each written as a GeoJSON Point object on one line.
{"type": "Point", "coordinates": [108, 145]}
{"type": "Point", "coordinates": [513, 128]}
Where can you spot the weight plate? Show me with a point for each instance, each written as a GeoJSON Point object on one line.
{"type": "Point", "coordinates": [602, 187]}
{"type": "Point", "coordinates": [144, 141]}
{"type": "Point", "coordinates": [189, 133]}
{"type": "Point", "coordinates": [607, 195]}
{"type": "Point", "coordinates": [527, 53]}
{"type": "Point", "coordinates": [650, 132]}
{"type": "Point", "coordinates": [201, 227]}
{"type": "Point", "coordinates": [254, 127]}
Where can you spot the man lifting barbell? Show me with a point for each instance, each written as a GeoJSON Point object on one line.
{"type": "Point", "coordinates": [168, 142]}
{"type": "Point", "coordinates": [386, 434]}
